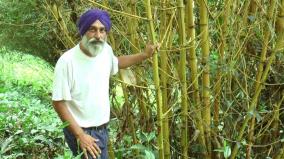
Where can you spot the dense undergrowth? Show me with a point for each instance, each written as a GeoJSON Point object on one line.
{"type": "Point", "coordinates": [29, 127]}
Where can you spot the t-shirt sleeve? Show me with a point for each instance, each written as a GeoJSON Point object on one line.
{"type": "Point", "coordinates": [114, 68]}
{"type": "Point", "coordinates": [61, 84]}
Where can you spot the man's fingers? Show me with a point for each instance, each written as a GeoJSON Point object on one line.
{"type": "Point", "coordinates": [93, 151]}
{"type": "Point", "coordinates": [158, 46]}
{"type": "Point", "coordinates": [85, 153]}
{"type": "Point", "coordinates": [89, 146]}
{"type": "Point", "coordinates": [97, 148]}
{"type": "Point", "coordinates": [155, 46]}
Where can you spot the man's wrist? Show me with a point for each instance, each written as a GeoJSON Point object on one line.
{"type": "Point", "coordinates": [145, 55]}
{"type": "Point", "coordinates": [79, 133]}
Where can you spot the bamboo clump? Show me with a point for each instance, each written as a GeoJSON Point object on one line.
{"type": "Point", "coordinates": [215, 82]}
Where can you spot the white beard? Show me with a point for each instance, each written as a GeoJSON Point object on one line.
{"type": "Point", "coordinates": [93, 46]}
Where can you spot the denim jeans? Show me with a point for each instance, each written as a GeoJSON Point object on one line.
{"type": "Point", "coordinates": [100, 134]}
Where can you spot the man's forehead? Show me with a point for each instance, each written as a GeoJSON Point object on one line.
{"type": "Point", "coordinates": [97, 24]}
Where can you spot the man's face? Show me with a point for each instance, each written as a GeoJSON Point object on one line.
{"type": "Point", "coordinates": [95, 38]}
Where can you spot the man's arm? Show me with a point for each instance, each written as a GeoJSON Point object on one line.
{"type": "Point", "coordinates": [87, 143]}
{"type": "Point", "coordinates": [129, 60]}
{"type": "Point", "coordinates": [64, 114]}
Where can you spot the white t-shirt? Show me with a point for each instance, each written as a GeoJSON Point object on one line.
{"type": "Point", "coordinates": [83, 82]}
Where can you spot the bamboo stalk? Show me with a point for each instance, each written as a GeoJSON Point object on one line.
{"type": "Point", "coordinates": [156, 81]}
{"type": "Point", "coordinates": [194, 75]}
{"type": "Point", "coordinates": [110, 150]}
{"type": "Point", "coordinates": [206, 113]}
{"type": "Point", "coordinates": [184, 105]}
{"type": "Point", "coordinates": [164, 80]}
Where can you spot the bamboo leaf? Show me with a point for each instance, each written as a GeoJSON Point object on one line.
{"type": "Point", "coordinates": [227, 151]}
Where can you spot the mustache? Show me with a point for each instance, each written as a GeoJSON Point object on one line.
{"type": "Point", "coordinates": [95, 41]}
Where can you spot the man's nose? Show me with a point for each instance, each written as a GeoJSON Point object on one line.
{"type": "Point", "coordinates": [97, 35]}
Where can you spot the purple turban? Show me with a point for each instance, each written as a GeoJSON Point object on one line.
{"type": "Point", "coordinates": [90, 16]}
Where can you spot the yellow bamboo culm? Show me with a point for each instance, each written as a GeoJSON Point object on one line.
{"type": "Point", "coordinates": [110, 150]}
{"type": "Point", "coordinates": [156, 81]}
{"type": "Point", "coordinates": [206, 113]}
{"type": "Point", "coordinates": [192, 59]}
{"type": "Point", "coordinates": [166, 23]}
{"type": "Point", "coordinates": [184, 105]}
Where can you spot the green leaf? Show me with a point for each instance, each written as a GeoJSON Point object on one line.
{"type": "Point", "coordinates": [138, 147]}
{"type": "Point", "coordinates": [149, 154]}
{"type": "Point", "coordinates": [6, 145]}
{"type": "Point", "coordinates": [258, 116]}
{"type": "Point", "coordinates": [19, 132]}
{"type": "Point", "coordinates": [227, 151]}
{"type": "Point", "coordinates": [33, 131]}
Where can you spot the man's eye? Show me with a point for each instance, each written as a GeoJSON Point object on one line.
{"type": "Point", "coordinates": [92, 30]}
{"type": "Point", "coordinates": [102, 29]}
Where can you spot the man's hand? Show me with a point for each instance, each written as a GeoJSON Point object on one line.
{"type": "Point", "coordinates": [150, 49]}
{"type": "Point", "coordinates": [129, 60]}
{"type": "Point", "coordinates": [88, 144]}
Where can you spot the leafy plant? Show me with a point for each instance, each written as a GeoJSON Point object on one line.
{"type": "Point", "coordinates": [28, 123]}
{"type": "Point", "coordinates": [226, 150]}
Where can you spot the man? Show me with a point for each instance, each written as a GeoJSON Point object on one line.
{"type": "Point", "coordinates": [81, 85]}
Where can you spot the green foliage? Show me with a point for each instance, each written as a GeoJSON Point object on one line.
{"type": "Point", "coordinates": [29, 125]}
{"type": "Point", "coordinates": [67, 155]}
{"type": "Point", "coordinates": [145, 149]}
{"type": "Point", "coordinates": [24, 27]}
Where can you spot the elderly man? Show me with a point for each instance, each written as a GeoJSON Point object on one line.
{"type": "Point", "coordinates": [81, 85]}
